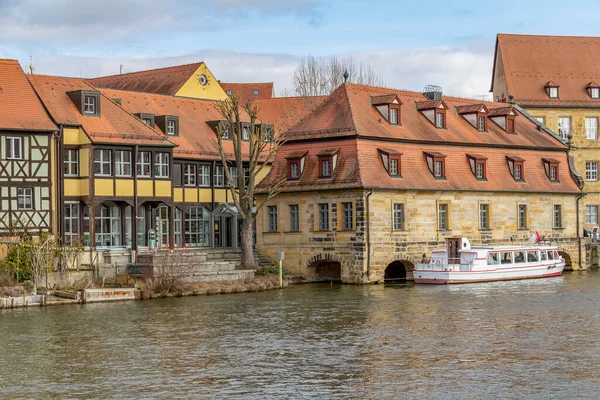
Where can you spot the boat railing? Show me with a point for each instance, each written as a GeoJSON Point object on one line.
{"type": "Point", "coordinates": [438, 266]}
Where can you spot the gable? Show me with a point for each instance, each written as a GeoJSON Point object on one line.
{"type": "Point", "coordinates": [202, 84]}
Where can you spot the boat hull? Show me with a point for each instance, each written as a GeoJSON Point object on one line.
{"type": "Point", "coordinates": [440, 277]}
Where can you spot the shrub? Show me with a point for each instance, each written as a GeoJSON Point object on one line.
{"type": "Point", "coordinates": [267, 270]}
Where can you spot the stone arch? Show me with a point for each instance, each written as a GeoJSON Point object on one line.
{"type": "Point", "coordinates": [324, 267]}
{"type": "Point", "coordinates": [568, 261]}
{"type": "Point", "coordinates": [398, 271]}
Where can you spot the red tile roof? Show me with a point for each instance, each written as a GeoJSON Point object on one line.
{"type": "Point", "coordinates": [196, 139]}
{"type": "Point", "coordinates": [20, 107]}
{"type": "Point", "coordinates": [114, 125]}
{"type": "Point", "coordinates": [246, 90]}
{"type": "Point", "coordinates": [531, 61]}
{"type": "Point", "coordinates": [159, 81]}
{"type": "Point", "coordinates": [347, 121]}
{"type": "Point", "coordinates": [285, 112]}
{"type": "Point", "coordinates": [471, 108]}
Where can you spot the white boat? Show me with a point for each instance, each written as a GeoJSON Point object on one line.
{"type": "Point", "coordinates": [461, 263]}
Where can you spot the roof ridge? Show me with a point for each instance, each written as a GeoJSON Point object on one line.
{"type": "Point", "coordinates": [351, 108]}
{"type": "Point", "coordinates": [147, 70]}
{"type": "Point", "coordinates": [547, 36]}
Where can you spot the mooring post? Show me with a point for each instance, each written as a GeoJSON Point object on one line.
{"type": "Point", "coordinates": [280, 257]}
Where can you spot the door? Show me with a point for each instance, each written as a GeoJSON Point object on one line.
{"type": "Point", "coordinates": [228, 232]}
{"type": "Point", "coordinates": [162, 225]}
{"type": "Point", "coordinates": [218, 232]}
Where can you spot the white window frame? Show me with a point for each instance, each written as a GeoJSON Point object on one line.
{"type": "Point", "coordinates": [553, 173]}
{"type": "Point", "coordinates": [393, 167]}
{"type": "Point", "coordinates": [204, 174]}
{"type": "Point", "coordinates": [564, 127]}
{"type": "Point", "coordinates": [553, 92]}
{"type": "Point", "coordinates": [161, 165]}
{"type": "Point", "coordinates": [104, 160]}
{"type": "Point", "coordinates": [393, 116]}
{"type": "Point", "coordinates": [24, 198]}
{"type": "Point", "coordinates": [111, 213]}
{"type": "Point", "coordinates": [71, 162]}
{"type": "Point", "coordinates": [233, 175]}
{"type": "Point", "coordinates": [294, 167]}
{"type": "Point", "coordinates": [481, 124]}
{"type": "Point", "coordinates": [245, 132]}
{"type": "Point", "coordinates": [122, 164]}
{"type": "Point", "coordinates": [326, 168]}
{"type": "Point", "coordinates": [518, 172]}
{"type": "Point", "coordinates": [219, 176]}
{"type": "Point", "coordinates": [542, 120]}
{"type": "Point", "coordinates": [438, 169]}
{"type": "Point", "coordinates": [479, 170]}
{"type": "Point", "coordinates": [72, 219]}
{"type": "Point", "coordinates": [398, 217]}
{"type": "Point", "coordinates": [189, 175]}
{"type": "Point", "coordinates": [89, 108]}
{"type": "Point", "coordinates": [144, 164]}
{"type": "Point", "coordinates": [591, 170]}
{"type": "Point", "coordinates": [171, 127]}
{"type": "Point", "coordinates": [591, 128]}
{"type": "Point", "coordinates": [439, 120]}
{"type": "Point", "coordinates": [595, 93]}
{"type": "Point", "coordinates": [12, 148]}
{"type": "Point", "coordinates": [196, 227]}
{"type": "Point", "coordinates": [443, 216]}
{"type": "Point", "coordinates": [591, 214]}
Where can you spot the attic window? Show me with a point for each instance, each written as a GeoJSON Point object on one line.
{"type": "Point", "coordinates": [478, 166]}
{"type": "Point", "coordinates": [169, 124]}
{"type": "Point", "coordinates": [434, 111]}
{"type": "Point", "coordinates": [436, 162]}
{"type": "Point", "coordinates": [391, 162]}
{"type": "Point", "coordinates": [504, 117]}
{"type": "Point", "coordinates": [245, 132]}
{"type": "Point", "coordinates": [327, 162]}
{"type": "Point", "coordinates": [389, 107]}
{"type": "Point", "coordinates": [515, 166]}
{"type": "Point", "coordinates": [225, 131]}
{"type": "Point", "coordinates": [593, 90]}
{"type": "Point", "coordinates": [255, 92]}
{"type": "Point", "coordinates": [228, 92]}
{"type": "Point", "coordinates": [89, 104]}
{"type": "Point", "coordinates": [148, 119]}
{"type": "Point", "coordinates": [475, 114]}
{"type": "Point", "coordinates": [295, 162]}
{"type": "Point", "coordinates": [552, 89]}
{"type": "Point", "coordinates": [87, 101]}
{"type": "Point", "coordinates": [551, 168]}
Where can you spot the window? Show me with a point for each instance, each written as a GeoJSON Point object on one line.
{"type": "Point", "coordinates": [477, 164]}
{"type": "Point", "coordinates": [324, 217]}
{"type": "Point", "coordinates": [326, 167]}
{"type": "Point", "coordinates": [143, 164]}
{"type": "Point", "coordinates": [24, 198]}
{"type": "Point", "coordinates": [542, 120]}
{"type": "Point", "coordinates": [532, 256]}
{"type": "Point", "coordinates": [440, 120]}
{"type": "Point", "coordinates": [294, 167]}
{"type": "Point", "coordinates": [108, 225]}
{"type": "Point", "coordinates": [564, 127]}
{"type": "Point", "coordinates": [255, 92]}
{"type": "Point", "coordinates": [591, 214]}
{"type": "Point", "coordinates": [177, 222]}
{"type": "Point", "coordinates": [591, 128]}
{"type": "Point", "coordinates": [189, 176]}
{"type": "Point", "coordinates": [148, 121]}
{"type": "Point", "coordinates": [439, 171]}
{"type": "Point", "coordinates": [71, 216]}
{"type": "Point", "coordinates": [161, 165]}
{"type": "Point", "coordinates": [393, 115]}
{"type": "Point", "coordinates": [233, 176]}
{"type": "Point", "coordinates": [557, 221]}
{"type": "Point", "coordinates": [272, 212]}
{"type": "Point", "coordinates": [71, 160]}
{"type": "Point", "coordinates": [229, 92]}
{"type": "Point", "coordinates": [225, 131]}
{"type": "Point", "coordinates": [553, 92]}
{"type": "Point", "coordinates": [14, 148]}
{"type": "Point", "coordinates": [398, 217]}
{"type": "Point", "coordinates": [267, 135]}
{"type": "Point", "coordinates": [294, 218]}
{"type": "Point", "coordinates": [506, 258]}
{"type": "Point", "coordinates": [102, 162]}
{"type": "Point", "coordinates": [554, 173]}
{"type": "Point", "coordinates": [442, 217]}
{"type": "Point", "coordinates": [204, 175]}
{"type": "Point", "coordinates": [89, 104]}
{"type": "Point", "coordinates": [518, 175]}
{"type": "Point", "coordinates": [219, 176]}
{"type": "Point", "coordinates": [245, 133]}
{"type": "Point", "coordinates": [591, 170]}
{"type": "Point", "coordinates": [595, 92]}
{"type": "Point", "coordinates": [122, 163]}
{"type": "Point", "coordinates": [522, 216]}
{"type": "Point", "coordinates": [493, 259]}
{"type": "Point", "coordinates": [519, 257]}
{"type": "Point", "coordinates": [171, 127]}
{"type": "Point", "coordinates": [347, 216]}
{"type": "Point", "coordinates": [196, 227]}
{"type": "Point", "coordinates": [479, 171]}
{"type": "Point", "coordinates": [436, 164]}
{"type": "Point", "coordinates": [481, 123]}
{"type": "Point", "coordinates": [393, 166]}
{"type": "Point", "coordinates": [484, 216]}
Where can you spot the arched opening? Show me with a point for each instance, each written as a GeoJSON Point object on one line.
{"type": "Point", "coordinates": [567, 257]}
{"type": "Point", "coordinates": [395, 272]}
{"type": "Point", "coordinates": [326, 270]}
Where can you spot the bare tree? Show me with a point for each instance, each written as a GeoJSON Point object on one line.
{"type": "Point", "coordinates": [170, 273]}
{"type": "Point", "coordinates": [254, 146]}
{"type": "Point", "coordinates": [319, 77]}
{"type": "Point", "coordinates": [41, 257]}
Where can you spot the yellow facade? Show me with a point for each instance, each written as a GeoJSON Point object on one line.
{"type": "Point", "coordinates": [145, 188]}
{"type": "Point", "coordinates": [191, 195]}
{"type": "Point", "coordinates": [212, 90]}
{"type": "Point", "coordinates": [103, 187]}
{"type": "Point", "coordinates": [178, 195]}
{"type": "Point", "coordinates": [221, 195]}
{"type": "Point", "coordinates": [124, 187]}
{"type": "Point", "coordinates": [75, 136]}
{"type": "Point", "coordinates": [162, 188]}
{"type": "Point", "coordinates": [76, 187]}
{"type": "Point", "coordinates": [205, 195]}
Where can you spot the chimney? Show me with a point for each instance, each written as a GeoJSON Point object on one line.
{"type": "Point", "coordinates": [433, 92]}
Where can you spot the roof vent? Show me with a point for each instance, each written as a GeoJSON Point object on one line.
{"type": "Point", "coordinates": [433, 92]}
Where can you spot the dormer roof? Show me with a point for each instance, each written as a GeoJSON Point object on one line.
{"type": "Point", "coordinates": [430, 104]}
{"type": "Point", "coordinates": [472, 108]}
{"type": "Point", "coordinates": [503, 111]}
{"type": "Point", "coordinates": [385, 99]}
{"type": "Point", "coordinates": [551, 84]}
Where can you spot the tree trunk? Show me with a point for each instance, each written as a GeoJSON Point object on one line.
{"type": "Point", "coordinates": [246, 245]}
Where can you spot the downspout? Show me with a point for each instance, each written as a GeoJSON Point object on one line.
{"type": "Point", "coordinates": [581, 196]}
{"type": "Point", "coordinates": [134, 243]}
{"type": "Point", "coordinates": [368, 236]}
{"type": "Point", "coordinates": [60, 185]}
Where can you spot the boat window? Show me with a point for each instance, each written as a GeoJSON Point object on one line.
{"type": "Point", "coordinates": [519, 256]}
{"type": "Point", "coordinates": [556, 255]}
{"type": "Point", "coordinates": [506, 258]}
{"type": "Point", "coordinates": [551, 255]}
{"type": "Point", "coordinates": [532, 256]}
{"type": "Point", "coordinates": [493, 258]}
{"type": "Point", "coordinates": [543, 255]}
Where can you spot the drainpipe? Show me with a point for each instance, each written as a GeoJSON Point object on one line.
{"type": "Point", "coordinates": [60, 183]}
{"type": "Point", "coordinates": [134, 242]}
{"type": "Point", "coordinates": [368, 237]}
{"type": "Point", "coordinates": [578, 230]}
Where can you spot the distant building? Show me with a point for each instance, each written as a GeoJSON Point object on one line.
{"type": "Point", "coordinates": [248, 91]}
{"type": "Point", "coordinates": [374, 179]}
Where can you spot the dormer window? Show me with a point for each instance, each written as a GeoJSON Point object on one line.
{"type": "Point", "coordinates": [225, 131]}
{"type": "Point", "coordinates": [148, 119]}
{"type": "Point", "coordinates": [504, 117]}
{"type": "Point", "coordinates": [245, 132]}
{"type": "Point", "coordinates": [87, 101]}
{"type": "Point", "coordinates": [478, 166]}
{"type": "Point", "coordinates": [228, 92]}
{"type": "Point", "coordinates": [552, 89]}
{"type": "Point", "coordinates": [169, 124]}
{"type": "Point", "coordinates": [255, 92]}
{"type": "Point", "coordinates": [436, 162]}
{"type": "Point", "coordinates": [475, 114]}
{"type": "Point", "coordinates": [391, 161]}
{"type": "Point", "coordinates": [327, 162]}
{"type": "Point", "coordinates": [388, 106]}
{"type": "Point", "coordinates": [434, 111]}
{"type": "Point", "coordinates": [593, 90]}
{"type": "Point", "coordinates": [295, 162]}
{"type": "Point", "coordinates": [551, 168]}
{"type": "Point", "coordinates": [515, 166]}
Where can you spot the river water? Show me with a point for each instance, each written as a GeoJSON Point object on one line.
{"type": "Point", "coordinates": [534, 339]}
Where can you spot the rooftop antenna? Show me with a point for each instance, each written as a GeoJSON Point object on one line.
{"type": "Point", "coordinates": [31, 69]}
{"type": "Point", "coordinates": [346, 76]}
{"type": "Point", "coordinates": [120, 69]}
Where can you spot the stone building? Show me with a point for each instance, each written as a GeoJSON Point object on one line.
{"type": "Point", "coordinates": [374, 179]}
{"type": "Point", "coordinates": [556, 79]}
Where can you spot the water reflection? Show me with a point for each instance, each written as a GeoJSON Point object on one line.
{"type": "Point", "coordinates": [535, 338]}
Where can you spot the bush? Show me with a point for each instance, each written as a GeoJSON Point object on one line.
{"type": "Point", "coordinates": [267, 270]}
{"type": "Point", "coordinates": [18, 268]}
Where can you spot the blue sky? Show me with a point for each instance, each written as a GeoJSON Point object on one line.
{"type": "Point", "coordinates": [409, 43]}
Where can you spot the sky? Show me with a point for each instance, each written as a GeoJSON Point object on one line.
{"type": "Point", "coordinates": [408, 43]}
